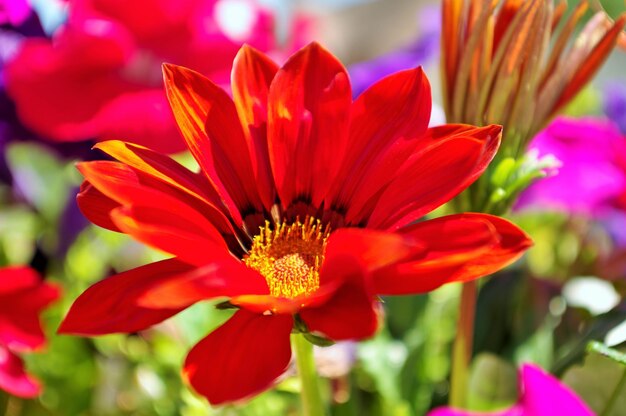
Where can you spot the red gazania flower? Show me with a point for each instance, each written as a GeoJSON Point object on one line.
{"type": "Point", "coordinates": [23, 296]}
{"type": "Point", "coordinates": [300, 215]}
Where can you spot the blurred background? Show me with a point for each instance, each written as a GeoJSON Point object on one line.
{"type": "Point", "coordinates": [74, 72]}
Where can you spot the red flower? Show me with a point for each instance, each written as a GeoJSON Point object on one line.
{"type": "Point", "coordinates": [300, 212]}
{"type": "Point", "coordinates": [23, 296]}
{"type": "Point", "coordinates": [100, 75]}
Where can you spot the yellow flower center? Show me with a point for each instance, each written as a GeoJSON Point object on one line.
{"type": "Point", "coordinates": [289, 257]}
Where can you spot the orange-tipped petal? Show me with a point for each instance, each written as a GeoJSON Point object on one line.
{"type": "Point", "coordinates": [452, 17]}
{"type": "Point", "coordinates": [127, 186]}
{"type": "Point", "coordinates": [592, 63]}
{"type": "Point", "coordinates": [144, 174]}
{"type": "Point", "coordinates": [161, 167]}
{"type": "Point", "coordinates": [207, 117]}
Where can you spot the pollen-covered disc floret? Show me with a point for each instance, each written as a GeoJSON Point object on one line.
{"type": "Point", "coordinates": [289, 256]}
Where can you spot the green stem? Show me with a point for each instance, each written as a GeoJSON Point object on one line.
{"type": "Point", "coordinates": [462, 348]}
{"type": "Point", "coordinates": [609, 405]}
{"type": "Point", "coordinates": [4, 402]}
{"type": "Point", "coordinates": [312, 404]}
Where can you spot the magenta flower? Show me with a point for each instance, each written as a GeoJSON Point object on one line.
{"type": "Point", "coordinates": [14, 12]}
{"type": "Point", "coordinates": [540, 395]}
{"type": "Point", "coordinates": [23, 296]}
{"type": "Point", "coordinates": [592, 178]}
{"type": "Point", "coordinates": [100, 75]}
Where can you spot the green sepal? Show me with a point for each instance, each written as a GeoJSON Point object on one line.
{"type": "Point", "coordinates": [318, 340]}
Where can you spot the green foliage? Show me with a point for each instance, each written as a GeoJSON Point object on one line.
{"type": "Point", "coordinates": [493, 383]}
{"type": "Point", "coordinates": [600, 383]}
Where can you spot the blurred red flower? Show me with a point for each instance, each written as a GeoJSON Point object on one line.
{"type": "Point", "coordinates": [100, 75]}
{"type": "Point", "coordinates": [300, 214]}
{"type": "Point", "coordinates": [23, 296]}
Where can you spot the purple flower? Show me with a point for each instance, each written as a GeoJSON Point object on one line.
{"type": "Point", "coordinates": [615, 104]}
{"type": "Point", "coordinates": [592, 178]}
{"type": "Point", "coordinates": [540, 395]}
{"type": "Point", "coordinates": [420, 52]}
{"type": "Point", "coordinates": [17, 21]}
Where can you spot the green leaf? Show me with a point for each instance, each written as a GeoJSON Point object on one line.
{"type": "Point", "coordinates": [597, 382]}
{"type": "Point", "coordinates": [613, 354]}
{"type": "Point", "coordinates": [42, 177]}
{"type": "Point", "coordinates": [601, 325]}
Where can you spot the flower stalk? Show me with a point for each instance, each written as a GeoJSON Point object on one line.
{"type": "Point", "coordinates": [4, 402]}
{"type": "Point", "coordinates": [462, 348]}
{"type": "Point", "coordinates": [312, 403]}
{"type": "Point", "coordinates": [615, 395]}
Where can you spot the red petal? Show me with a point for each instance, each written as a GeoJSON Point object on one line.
{"type": "Point", "coordinates": [351, 312]}
{"type": "Point", "coordinates": [112, 305]}
{"type": "Point", "coordinates": [309, 105]}
{"type": "Point", "coordinates": [96, 206]}
{"type": "Point", "coordinates": [251, 77]}
{"type": "Point", "coordinates": [352, 255]}
{"type": "Point", "coordinates": [13, 378]}
{"type": "Point", "coordinates": [208, 120]}
{"type": "Point", "coordinates": [371, 249]}
{"type": "Point", "coordinates": [434, 175]}
{"type": "Point", "coordinates": [385, 121]}
{"type": "Point", "coordinates": [241, 358]}
{"type": "Point", "coordinates": [455, 248]}
{"type": "Point", "coordinates": [177, 234]}
{"type": "Point", "coordinates": [290, 306]}
{"type": "Point", "coordinates": [23, 296]}
{"type": "Point", "coordinates": [222, 276]}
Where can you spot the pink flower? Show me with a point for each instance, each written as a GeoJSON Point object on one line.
{"type": "Point", "coordinates": [23, 295]}
{"type": "Point", "coordinates": [100, 75]}
{"type": "Point", "coordinates": [592, 178]}
{"type": "Point", "coordinates": [540, 395]}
